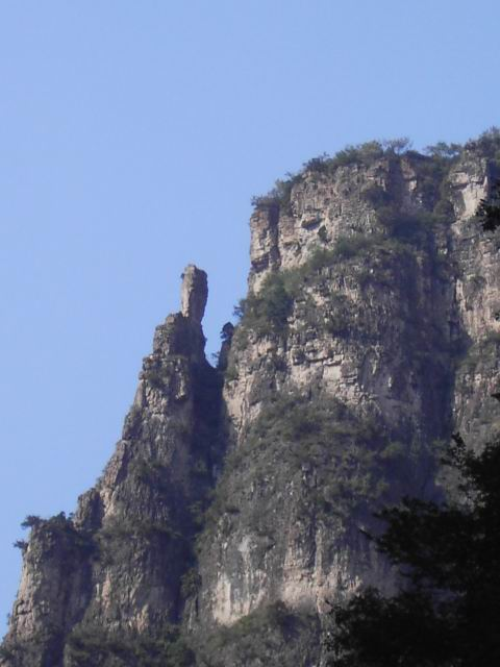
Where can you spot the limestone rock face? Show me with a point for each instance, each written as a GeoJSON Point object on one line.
{"type": "Point", "coordinates": [389, 295]}
{"type": "Point", "coordinates": [236, 503]}
{"type": "Point", "coordinates": [194, 293]}
{"type": "Point", "coordinates": [115, 567]}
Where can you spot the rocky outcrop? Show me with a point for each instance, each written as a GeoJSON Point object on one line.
{"type": "Point", "coordinates": [115, 568]}
{"type": "Point", "coordinates": [477, 293]}
{"type": "Point", "coordinates": [388, 292]}
{"type": "Point", "coordinates": [194, 293]}
{"type": "Point", "coordinates": [236, 504]}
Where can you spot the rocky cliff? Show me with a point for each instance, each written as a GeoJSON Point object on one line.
{"type": "Point", "coordinates": [236, 504]}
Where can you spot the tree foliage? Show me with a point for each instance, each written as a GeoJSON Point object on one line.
{"type": "Point", "coordinates": [447, 613]}
{"type": "Point", "coordinates": [488, 212]}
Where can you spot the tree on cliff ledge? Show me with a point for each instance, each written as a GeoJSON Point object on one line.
{"type": "Point", "coordinates": [488, 212]}
{"type": "Point", "coordinates": [448, 613]}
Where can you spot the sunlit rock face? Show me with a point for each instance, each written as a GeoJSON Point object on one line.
{"type": "Point", "coordinates": [236, 504]}
{"type": "Point", "coordinates": [194, 293]}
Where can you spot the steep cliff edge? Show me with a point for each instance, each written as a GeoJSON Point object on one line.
{"type": "Point", "coordinates": [230, 513]}
{"type": "Point", "coordinates": [360, 348]}
{"type": "Point", "coordinates": [93, 583]}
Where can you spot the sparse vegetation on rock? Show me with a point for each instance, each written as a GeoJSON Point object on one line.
{"type": "Point", "coordinates": [238, 499]}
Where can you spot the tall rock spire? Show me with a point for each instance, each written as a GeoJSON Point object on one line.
{"type": "Point", "coordinates": [194, 293]}
{"type": "Point", "coordinates": [115, 568]}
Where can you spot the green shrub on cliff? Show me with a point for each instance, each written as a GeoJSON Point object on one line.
{"type": "Point", "coordinates": [353, 457]}
{"type": "Point", "coordinates": [488, 144]}
{"type": "Point", "coordinates": [267, 311]}
{"type": "Point", "coordinates": [267, 632]}
{"type": "Point", "coordinates": [362, 155]}
{"type": "Point", "coordinates": [353, 460]}
{"type": "Point", "coordinates": [91, 646]}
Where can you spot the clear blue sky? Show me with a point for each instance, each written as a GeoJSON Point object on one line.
{"type": "Point", "coordinates": [132, 137]}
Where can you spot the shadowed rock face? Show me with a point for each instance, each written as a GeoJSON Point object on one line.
{"type": "Point", "coordinates": [233, 503]}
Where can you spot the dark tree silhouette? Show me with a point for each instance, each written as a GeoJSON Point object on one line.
{"type": "Point", "coordinates": [447, 613]}
{"type": "Point", "coordinates": [488, 211]}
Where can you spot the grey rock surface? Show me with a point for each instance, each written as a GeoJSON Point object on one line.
{"type": "Point", "coordinates": [234, 506]}
{"type": "Point", "coordinates": [194, 293]}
